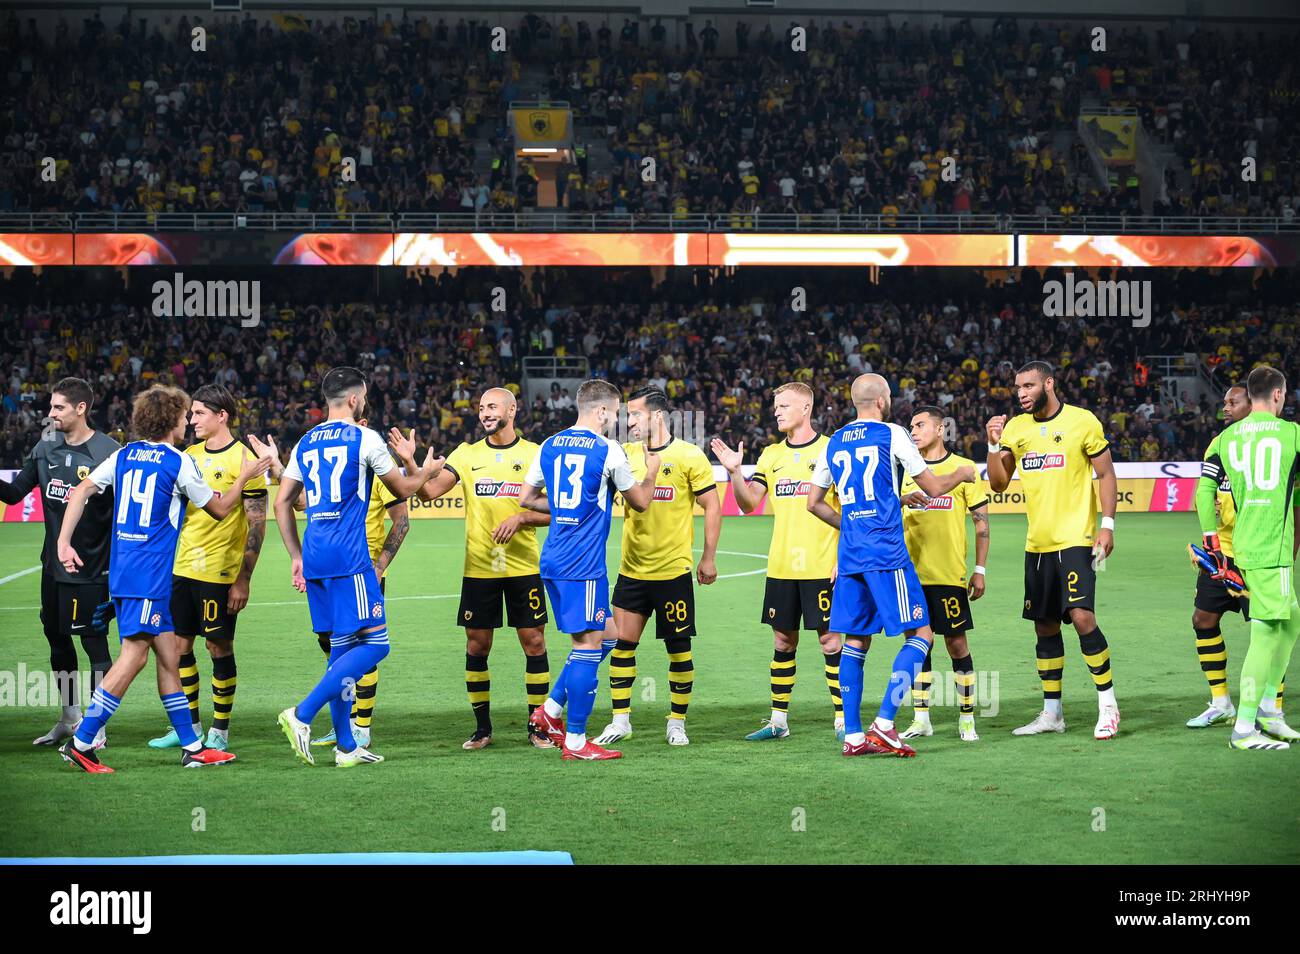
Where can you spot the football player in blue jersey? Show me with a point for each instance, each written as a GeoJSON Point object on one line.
{"type": "Point", "coordinates": [152, 480]}
{"type": "Point", "coordinates": [877, 587]}
{"type": "Point", "coordinates": [336, 463]}
{"type": "Point", "coordinates": [580, 468]}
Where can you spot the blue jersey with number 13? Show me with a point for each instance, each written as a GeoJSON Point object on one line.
{"type": "Point", "coordinates": [580, 470]}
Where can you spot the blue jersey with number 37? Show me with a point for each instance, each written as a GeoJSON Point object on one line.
{"type": "Point", "coordinates": [580, 470]}
{"type": "Point", "coordinates": [865, 461]}
{"type": "Point", "coordinates": [336, 463]}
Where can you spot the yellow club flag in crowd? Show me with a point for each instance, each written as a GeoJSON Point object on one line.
{"type": "Point", "coordinates": [291, 23]}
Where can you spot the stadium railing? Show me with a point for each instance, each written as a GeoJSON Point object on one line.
{"type": "Point", "coordinates": [564, 221]}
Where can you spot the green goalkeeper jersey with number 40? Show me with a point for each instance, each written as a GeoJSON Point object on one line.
{"type": "Point", "coordinates": [1258, 455]}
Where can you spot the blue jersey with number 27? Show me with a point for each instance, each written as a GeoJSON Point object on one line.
{"type": "Point", "coordinates": [865, 461]}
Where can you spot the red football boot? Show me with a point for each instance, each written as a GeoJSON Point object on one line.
{"type": "Point", "coordinates": [205, 756]}
{"type": "Point", "coordinates": [86, 761]}
{"type": "Point", "coordinates": [591, 752]}
{"type": "Point", "coordinates": [886, 742]}
{"type": "Point", "coordinates": [552, 728]}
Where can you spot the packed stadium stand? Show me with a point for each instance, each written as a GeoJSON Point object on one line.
{"type": "Point", "coordinates": [737, 123]}
{"type": "Point", "coordinates": [717, 350]}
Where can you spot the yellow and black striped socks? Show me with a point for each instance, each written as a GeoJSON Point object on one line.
{"type": "Point", "coordinates": [363, 703]}
{"type": "Point", "coordinates": [1213, 654]}
{"type": "Point", "coordinates": [1096, 653]}
{"type": "Point", "coordinates": [478, 686]}
{"type": "Point", "coordinates": [1051, 664]}
{"type": "Point", "coordinates": [921, 685]}
{"type": "Point", "coordinates": [963, 677]}
{"type": "Point", "coordinates": [537, 679]}
{"type": "Point", "coordinates": [681, 676]}
{"type": "Point", "coordinates": [832, 672]}
{"type": "Point", "coordinates": [622, 673]}
{"type": "Point", "coordinates": [224, 679]}
{"type": "Point", "coordinates": [190, 683]}
{"type": "Point", "coordinates": [782, 679]}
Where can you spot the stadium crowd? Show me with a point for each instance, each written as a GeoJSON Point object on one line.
{"type": "Point", "coordinates": [861, 122]}
{"type": "Point", "coordinates": [431, 351]}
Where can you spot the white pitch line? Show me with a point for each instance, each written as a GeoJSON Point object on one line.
{"type": "Point", "coordinates": [20, 573]}
{"type": "Point", "coordinates": [392, 599]}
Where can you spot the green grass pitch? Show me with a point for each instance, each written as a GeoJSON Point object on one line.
{"type": "Point", "coordinates": [1159, 793]}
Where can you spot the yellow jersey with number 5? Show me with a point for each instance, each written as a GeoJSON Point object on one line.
{"type": "Point", "coordinates": [491, 477]}
{"type": "Point", "coordinates": [803, 547]}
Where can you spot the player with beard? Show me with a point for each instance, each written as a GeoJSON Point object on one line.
{"type": "Point", "coordinates": [501, 560]}
{"type": "Point", "coordinates": [64, 456]}
{"type": "Point", "coordinates": [1057, 446]}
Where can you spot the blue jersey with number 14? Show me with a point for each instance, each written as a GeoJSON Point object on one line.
{"type": "Point", "coordinates": [865, 461]}
{"type": "Point", "coordinates": [336, 462]}
{"type": "Point", "coordinates": [152, 483]}
{"type": "Point", "coordinates": [580, 470]}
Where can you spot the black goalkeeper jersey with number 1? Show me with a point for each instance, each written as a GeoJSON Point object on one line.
{"type": "Point", "coordinates": [56, 467]}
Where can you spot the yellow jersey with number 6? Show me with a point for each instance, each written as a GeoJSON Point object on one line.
{"type": "Point", "coordinates": [803, 547]}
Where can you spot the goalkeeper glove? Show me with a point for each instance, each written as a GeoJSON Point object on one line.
{"type": "Point", "coordinates": [1212, 561]}
{"type": "Point", "coordinates": [104, 613]}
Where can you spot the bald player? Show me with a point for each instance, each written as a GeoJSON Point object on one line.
{"type": "Point", "coordinates": [501, 560]}
{"type": "Point", "coordinates": [877, 588]}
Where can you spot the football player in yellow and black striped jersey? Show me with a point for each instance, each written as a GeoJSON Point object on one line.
{"type": "Point", "coordinates": [801, 558]}
{"type": "Point", "coordinates": [935, 531]}
{"type": "Point", "coordinates": [1213, 599]}
{"type": "Point", "coordinates": [501, 560]}
{"type": "Point", "coordinates": [1056, 447]}
{"type": "Point", "coordinates": [655, 574]}
{"type": "Point", "coordinates": [214, 564]}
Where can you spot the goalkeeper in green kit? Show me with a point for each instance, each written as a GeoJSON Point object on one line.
{"type": "Point", "coordinates": [1260, 456]}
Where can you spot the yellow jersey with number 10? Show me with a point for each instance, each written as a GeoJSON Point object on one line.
{"type": "Point", "coordinates": [381, 498]}
{"type": "Point", "coordinates": [657, 543]}
{"type": "Point", "coordinates": [1055, 461]}
{"type": "Point", "coordinates": [491, 478]}
{"type": "Point", "coordinates": [213, 550]}
{"type": "Point", "coordinates": [803, 547]}
{"type": "Point", "coordinates": [936, 533]}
